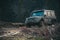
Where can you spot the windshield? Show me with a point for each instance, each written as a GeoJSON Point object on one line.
{"type": "Point", "coordinates": [39, 13]}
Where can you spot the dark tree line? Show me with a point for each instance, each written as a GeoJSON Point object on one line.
{"type": "Point", "coordinates": [8, 10]}
{"type": "Point", "coordinates": [18, 10]}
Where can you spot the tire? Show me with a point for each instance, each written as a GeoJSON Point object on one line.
{"type": "Point", "coordinates": [40, 23]}
{"type": "Point", "coordinates": [28, 25]}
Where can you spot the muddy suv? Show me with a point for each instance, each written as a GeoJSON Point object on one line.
{"type": "Point", "coordinates": [38, 16]}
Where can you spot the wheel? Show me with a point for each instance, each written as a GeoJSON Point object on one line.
{"type": "Point", "coordinates": [40, 22]}
{"type": "Point", "coordinates": [28, 25]}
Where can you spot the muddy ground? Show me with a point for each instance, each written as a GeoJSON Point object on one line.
{"type": "Point", "coordinates": [19, 31]}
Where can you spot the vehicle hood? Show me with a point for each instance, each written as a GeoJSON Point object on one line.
{"type": "Point", "coordinates": [34, 19]}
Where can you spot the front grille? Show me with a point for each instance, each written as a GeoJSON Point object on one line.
{"type": "Point", "coordinates": [31, 19]}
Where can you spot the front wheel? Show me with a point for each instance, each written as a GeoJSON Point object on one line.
{"type": "Point", "coordinates": [28, 25]}
{"type": "Point", "coordinates": [39, 24]}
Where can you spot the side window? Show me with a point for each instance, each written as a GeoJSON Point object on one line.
{"type": "Point", "coordinates": [49, 13]}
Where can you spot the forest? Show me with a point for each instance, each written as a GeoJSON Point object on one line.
{"type": "Point", "coordinates": [18, 10]}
